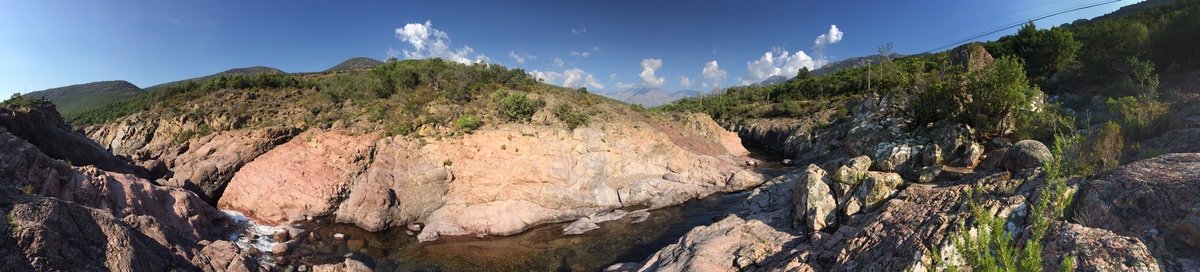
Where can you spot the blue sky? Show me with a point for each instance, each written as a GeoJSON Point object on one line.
{"type": "Point", "coordinates": [601, 45]}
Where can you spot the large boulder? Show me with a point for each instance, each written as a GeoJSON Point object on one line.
{"type": "Point", "coordinates": [401, 186]}
{"type": "Point", "coordinates": [1154, 200]}
{"type": "Point", "coordinates": [732, 244]}
{"type": "Point", "coordinates": [307, 176]}
{"type": "Point", "coordinates": [876, 188]}
{"type": "Point", "coordinates": [1026, 154]}
{"type": "Point", "coordinates": [815, 205]}
{"type": "Point", "coordinates": [224, 255]}
{"type": "Point", "coordinates": [970, 57]}
{"type": "Point", "coordinates": [205, 165]}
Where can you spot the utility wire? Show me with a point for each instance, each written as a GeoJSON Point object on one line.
{"type": "Point", "coordinates": [1052, 14]}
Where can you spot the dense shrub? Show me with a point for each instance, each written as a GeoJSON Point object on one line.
{"type": "Point", "coordinates": [567, 114]}
{"type": "Point", "coordinates": [519, 107]}
{"type": "Point", "coordinates": [1140, 117]}
{"type": "Point", "coordinates": [468, 123]}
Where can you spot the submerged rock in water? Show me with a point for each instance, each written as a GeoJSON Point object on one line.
{"type": "Point", "coordinates": [580, 226]}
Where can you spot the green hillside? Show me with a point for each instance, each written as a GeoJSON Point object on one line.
{"type": "Point", "coordinates": [248, 71]}
{"type": "Point", "coordinates": [80, 97]}
{"type": "Point", "coordinates": [355, 63]}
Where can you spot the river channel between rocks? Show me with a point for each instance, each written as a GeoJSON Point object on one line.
{"type": "Point", "coordinates": [542, 248]}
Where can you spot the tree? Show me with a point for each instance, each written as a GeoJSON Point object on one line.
{"type": "Point", "coordinates": [802, 74]}
{"type": "Point", "coordinates": [1045, 52]}
{"type": "Point", "coordinates": [1001, 93]}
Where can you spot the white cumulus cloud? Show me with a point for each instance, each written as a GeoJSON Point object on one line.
{"type": "Point", "coordinates": [558, 62]}
{"type": "Point", "coordinates": [428, 42]}
{"type": "Point", "coordinates": [712, 72]}
{"type": "Point", "coordinates": [578, 31]}
{"type": "Point", "coordinates": [834, 36]}
{"type": "Point", "coordinates": [522, 57]}
{"type": "Point", "coordinates": [778, 62]}
{"type": "Point", "coordinates": [572, 78]}
{"type": "Point", "coordinates": [648, 68]}
{"type": "Point", "coordinates": [580, 54]}
{"type": "Point", "coordinates": [685, 82]}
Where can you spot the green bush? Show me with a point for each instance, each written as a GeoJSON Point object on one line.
{"type": "Point", "coordinates": [468, 123]}
{"type": "Point", "coordinates": [1107, 146]}
{"type": "Point", "coordinates": [1140, 117]}
{"type": "Point", "coordinates": [518, 107]}
{"type": "Point", "coordinates": [567, 114]}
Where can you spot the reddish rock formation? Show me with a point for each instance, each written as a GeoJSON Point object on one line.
{"type": "Point", "coordinates": [401, 186]}
{"type": "Point", "coordinates": [206, 165]}
{"type": "Point", "coordinates": [1155, 200]}
{"type": "Point", "coordinates": [307, 176]}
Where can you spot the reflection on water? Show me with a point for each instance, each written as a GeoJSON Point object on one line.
{"type": "Point", "coordinates": [542, 248]}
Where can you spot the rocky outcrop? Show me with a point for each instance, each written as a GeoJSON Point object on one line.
{"type": "Point", "coordinates": [732, 244]}
{"type": "Point", "coordinates": [224, 256]}
{"type": "Point", "coordinates": [401, 186]}
{"type": "Point", "coordinates": [909, 230]}
{"type": "Point", "coordinates": [84, 218]}
{"type": "Point", "coordinates": [349, 265]}
{"type": "Point", "coordinates": [1095, 249]}
{"type": "Point", "coordinates": [881, 131]}
{"type": "Point", "coordinates": [1175, 141]}
{"type": "Point", "coordinates": [118, 193]}
{"type": "Point", "coordinates": [40, 125]}
{"type": "Point", "coordinates": [307, 176]}
{"type": "Point", "coordinates": [509, 179]}
{"type": "Point", "coordinates": [815, 206]}
{"type": "Point", "coordinates": [206, 165]}
{"type": "Point", "coordinates": [1154, 200]}
{"type": "Point", "coordinates": [45, 234]}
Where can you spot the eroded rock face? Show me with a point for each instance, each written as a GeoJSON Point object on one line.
{"type": "Point", "coordinates": [307, 176]}
{"type": "Point", "coordinates": [401, 186]}
{"type": "Point", "coordinates": [1154, 200]}
{"type": "Point", "coordinates": [507, 180]}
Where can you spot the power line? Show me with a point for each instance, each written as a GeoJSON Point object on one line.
{"type": "Point", "coordinates": [956, 31]}
{"type": "Point", "coordinates": [1052, 14]}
